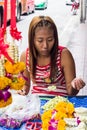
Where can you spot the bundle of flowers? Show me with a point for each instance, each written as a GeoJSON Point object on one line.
{"type": "Point", "coordinates": [15, 68]}
{"type": "Point", "coordinates": [60, 114]}
{"type": "Point", "coordinates": [5, 95]}
{"type": "Point", "coordinates": [12, 80]}
{"type": "Point", "coordinates": [54, 119]}
{"type": "Point", "coordinates": [13, 72]}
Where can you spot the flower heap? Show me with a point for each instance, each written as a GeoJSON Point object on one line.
{"type": "Point", "coordinates": [53, 119]}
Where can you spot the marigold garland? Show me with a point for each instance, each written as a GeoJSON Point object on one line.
{"type": "Point", "coordinates": [14, 68]}
{"type": "Point", "coordinates": [4, 81]}
{"type": "Point", "coordinates": [11, 80]}
{"type": "Point", "coordinates": [55, 118]}
{"type": "Point", "coordinates": [17, 83]}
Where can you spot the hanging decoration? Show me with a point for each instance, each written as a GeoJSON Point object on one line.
{"type": "Point", "coordinates": [13, 28]}
{"type": "Point", "coordinates": [10, 67]}
{"type": "Point", "coordinates": [3, 46]}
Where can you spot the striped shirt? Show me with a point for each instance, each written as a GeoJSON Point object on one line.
{"type": "Point", "coordinates": [41, 87]}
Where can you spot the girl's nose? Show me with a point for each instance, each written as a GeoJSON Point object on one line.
{"type": "Point", "coordinates": [45, 44]}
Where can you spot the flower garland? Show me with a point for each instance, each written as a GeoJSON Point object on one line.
{"type": "Point", "coordinates": [14, 68]}
{"type": "Point", "coordinates": [13, 72]}
{"type": "Point", "coordinates": [11, 80]}
{"type": "Point", "coordinates": [54, 119]}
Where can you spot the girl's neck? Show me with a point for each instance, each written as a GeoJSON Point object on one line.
{"type": "Point", "coordinates": [42, 61]}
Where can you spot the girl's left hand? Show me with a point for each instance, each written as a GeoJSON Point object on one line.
{"type": "Point", "coordinates": [78, 83]}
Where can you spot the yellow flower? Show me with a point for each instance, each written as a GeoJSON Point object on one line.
{"type": "Point", "coordinates": [17, 83]}
{"type": "Point", "coordinates": [14, 68]}
{"type": "Point", "coordinates": [46, 115]}
{"type": "Point", "coordinates": [70, 108]}
{"type": "Point", "coordinates": [65, 107]}
{"type": "Point", "coordinates": [61, 125]}
{"type": "Point", "coordinates": [61, 110]}
{"type": "Point", "coordinates": [4, 81]}
{"type": "Point", "coordinates": [45, 124]}
{"type": "Point", "coordinates": [61, 106]}
{"type": "Point", "coordinates": [5, 103]}
{"type": "Point", "coordinates": [60, 115]}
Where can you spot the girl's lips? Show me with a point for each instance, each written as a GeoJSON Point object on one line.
{"type": "Point", "coordinates": [44, 51]}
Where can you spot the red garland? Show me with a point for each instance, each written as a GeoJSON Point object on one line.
{"type": "Point", "coordinates": [5, 15]}
{"type": "Point", "coordinates": [3, 51]}
{"type": "Point", "coordinates": [3, 46]}
{"type": "Point", "coordinates": [13, 29]}
{"type": "Point", "coordinates": [3, 28]}
{"type": "Point", "coordinates": [15, 33]}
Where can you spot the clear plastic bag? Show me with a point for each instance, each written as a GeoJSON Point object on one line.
{"type": "Point", "coordinates": [23, 107]}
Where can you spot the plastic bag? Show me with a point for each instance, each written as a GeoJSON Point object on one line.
{"type": "Point", "coordinates": [23, 107]}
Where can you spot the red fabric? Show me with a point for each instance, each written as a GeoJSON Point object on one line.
{"type": "Point", "coordinates": [13, 15]}
{"type": "Point", "coordinates": [3, 46]}
{"type": "Point", "coordinates": [13, 28]}
{"type": "Point", "coordinates": [5, 15]}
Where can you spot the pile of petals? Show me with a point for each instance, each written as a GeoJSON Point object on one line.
{"type": "Point", "coordinates": [53, 119]}
{"type": "Point", "coordinates": [9, 122]}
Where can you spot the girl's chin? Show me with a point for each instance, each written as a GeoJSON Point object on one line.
{"type": "Point", "coordinates": [44, 54]}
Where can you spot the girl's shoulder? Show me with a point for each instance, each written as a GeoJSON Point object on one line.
{"type": "Point", "coordinates": [64, 50]}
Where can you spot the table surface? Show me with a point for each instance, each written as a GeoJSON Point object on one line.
{"type": "Point", "coordinates": [78, 101]}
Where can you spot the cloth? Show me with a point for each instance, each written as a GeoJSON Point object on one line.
{"type": "Point", "coordinates": [41, 87]}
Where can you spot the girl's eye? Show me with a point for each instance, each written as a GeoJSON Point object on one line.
{"type": "Point", "coordinates": [39, 40]}
{"type": "Point", "coordinates": [42, 40]}
{"type": "Point", "coordinates": [50, 40]}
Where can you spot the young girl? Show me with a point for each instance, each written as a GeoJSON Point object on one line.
{"type": "Point", "coordinates": [49, 67]}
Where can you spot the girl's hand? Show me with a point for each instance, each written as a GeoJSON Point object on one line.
{"type": "Point", "coordinates": [77, 83]}
{"type": "Point", "coordinates": [23, 91]}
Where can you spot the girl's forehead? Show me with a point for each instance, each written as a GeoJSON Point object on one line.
{"type": "Point", "coordinates": [44, 32]}
{"type": "Point", "coordinates": [43, 29]}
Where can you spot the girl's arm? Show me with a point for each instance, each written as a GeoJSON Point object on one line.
{"type": "Point", "coordinates": [73, 84]}
{"type": "Point", "coordinates": [26, 74]}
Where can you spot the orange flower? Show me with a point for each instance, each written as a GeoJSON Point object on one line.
{"type": "Point", "coordinates": [60, 115]}
{"type": "Point", "coordinates": [4, 81]}
{"type": "Point", "coordinates": [14, 68]}
{"type": "Point", "coordinates": [4, 104]}
{"type": "Point", "coordinates": [61, 110]}
{"type": "Point", "coordinates": [61, 125]}
{"type": "Point", "coordinates": [17, 83]}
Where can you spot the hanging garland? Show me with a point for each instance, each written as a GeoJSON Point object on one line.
{"type": "Point", "coordinates": [3, 46]}
{"type": "Point", "coordinates": [11, 79]}
{"type": "Point", "coordinates": [13, 28]}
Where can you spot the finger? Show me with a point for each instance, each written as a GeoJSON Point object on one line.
{"type": "Point", "coordinates": [21, 92]}
{"type": "Point", "coordinates": [79, 84]}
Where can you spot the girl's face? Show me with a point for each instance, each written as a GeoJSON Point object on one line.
{"type": "Point", "coordinates": [44, 40]}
